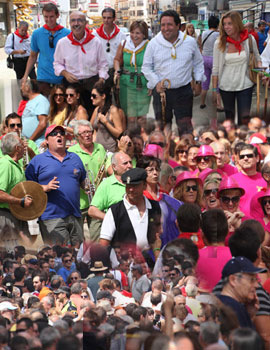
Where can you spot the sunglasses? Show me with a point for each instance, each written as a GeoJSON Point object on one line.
{"type": "Point", "coordinates": [108, 47]}
{"type": "Point", "coordinates": [208, 192]}
{"type": "Point", "coordinates": [12, 126]}
{"type": "Point", "coordinates": [58, 95]}
{"type": "Point", "coordinates": [266, 201]}
{"type": "Point", "coordinates": [194, 188]}
{"type": "Point", "coordinates": [71, 95]}
{"type": "Point", "coordinates": [165, 270]}
{"type": "Point", "coordinates": [73, 278]}
{"type": "Point", "coordinates": [51, 44]}
{"type": "Point", "coordinates": [69, 260]}
{"type": "Point", "coordinates": [182, 151]}
{"type": "Point", "coordinates": [172, 274]}
{"type": "Point", "coordinates": [84, 296]}
{"type": "Point", "coordinates": [56, 132]}
{"type": "Point", "coordinates": [227, 200]}
{"type": "Point", "coordinates": [93, 95]}
{"type": "Point", "coordinates": [161, 144]}
{"type": "Point", "coordinates": [250, 155]}
{"type": "Point", "coordinates": [205, 159]}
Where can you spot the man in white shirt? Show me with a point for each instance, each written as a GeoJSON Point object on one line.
{"type": "Point", "coordinates": [111, 37]}
{"type": "Point", "coordinates": [173, 56]}
{"type": "Point", "coordinates": [18, 44]}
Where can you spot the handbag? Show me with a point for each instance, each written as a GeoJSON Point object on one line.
{"type": "Point", "coordinates": [252, 62]}
{"type": "Point", "coordinates": [10, 61]}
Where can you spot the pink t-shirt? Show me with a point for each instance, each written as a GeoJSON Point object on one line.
{"type": "Point", "coordinates": [251, 185]}
{"type": "Point", "coordinates": [210, 264]}
{"type": "Point", "coordinates": [173, 163]}
{"type": "Point", "coordinates": [229, 169]}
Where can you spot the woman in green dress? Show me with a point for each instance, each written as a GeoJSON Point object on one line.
{"type": "Point", "coordinates": [134, 96]}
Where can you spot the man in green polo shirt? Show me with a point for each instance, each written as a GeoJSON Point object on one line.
{"type": "Point", "coordinates": [110, 191]}
{"type": "Point", "coordinates": [13, 123]}
{"type": "Point", "coordinates": [93, 155]}
{"type": "Point", "coordinates": [11, 173]}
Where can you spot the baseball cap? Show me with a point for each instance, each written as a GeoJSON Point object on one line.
{"type": "Point", "coordinates": [6, 305]}
{"type": "Point", "coordinates": [257, 137]}
{"type": "Point", "coordinates": [51, 128]}
{"type": "Point", "coordinates": [240, 264]}
{"type": "Point", "coordinates": [62, 289]}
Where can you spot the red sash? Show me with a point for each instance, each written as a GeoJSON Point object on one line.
{"type": "Point", "coordinates": [26, 36]}
{"type": "Point", "coordinates": [101, 33]}
{"type": "Point", "coordinates": [88, 38]}
{"type": "Point", "coordinates": [55, 29]}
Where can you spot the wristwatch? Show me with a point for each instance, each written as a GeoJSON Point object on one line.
{"type": "Point", "coordinates": [198, 82]}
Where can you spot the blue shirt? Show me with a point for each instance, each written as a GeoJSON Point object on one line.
{"type": "Point", "coordinates": [70, 173]}
{"type": "Point", "coordinates": [35, 107]}
{"type": "Point", "coordinates": [40, 44]}
{"type": "Point", "coordinates": [262, 38]}
{"type": "Point", "coordinates": [65, 273]}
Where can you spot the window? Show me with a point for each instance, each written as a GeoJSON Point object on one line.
{"type": "Point", "coordinates": [140, 13]}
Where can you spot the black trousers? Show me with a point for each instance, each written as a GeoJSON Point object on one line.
{"type": "Point", "coordinates": [19, 67]}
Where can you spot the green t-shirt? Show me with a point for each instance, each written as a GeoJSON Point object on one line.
{"type": "Point", "coordinates": [110, 191]}
{"type": "Point", "coordinates": [93, 162]}
{"type": "Point", "coordinates": [11, 173]}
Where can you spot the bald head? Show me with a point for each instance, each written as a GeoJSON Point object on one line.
{"type": "Point", "coordinates": [219, 150]}
{"type": "Point", "coordinates": [255, 124]}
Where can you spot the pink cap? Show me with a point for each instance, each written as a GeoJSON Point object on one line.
{"type": "Point", "coordinates": [51, 128]}
{"type": "Point", "coordinates": [228, 183]}
{"type": "Point", "coordinates": [205, 150]}
{"type": "Point", "coordinates": [186, 175]}
{"type": "Point", "coordinates": [203, 175]}
{"type": "Point", "coordinates": [256, 138]}
{"type": "Point", "coordinates": [265, 192]}
{"type": "Point", "coordinates": [153, 150]}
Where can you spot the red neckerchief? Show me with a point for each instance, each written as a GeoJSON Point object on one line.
{"type": "Point", "coordinates": [88, 38]}
{"type": "Point", "coordinates": [55, 29]}
{"type": "Point", "coordinates": [26, 36]}
{"type": "Point", "coordinates": [237, 44]}
{"type": "Point", "coordinates": [103, 35]}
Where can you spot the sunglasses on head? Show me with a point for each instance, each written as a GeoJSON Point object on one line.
{"type": "Point", "coordinates": [212, 191]}
{"type": "Point", "coordinates": [12, 126]}
{"type": "Point", "coordinates": [108, 47]}
{"type": "Point", "coordinates": [266, 201]}
{"type": "Point", "coordinates": [227, 200]}
{"type": "Point", "coordinates": [93, 95]}
{"type": "Point", "coordinates": [205, 159]}
{"type": "Point", "coordinates": [56, 132]}
{"type": "Point", "coordinates": [59, 95]}
{"type": "Point", "coordinates": [71, 95]}
{"type": "Point", "coordinates": [194, 188]}
{"type": "Point", "coordinates": [51, 44]}
{"type": "Point", "coordinates": [250, 155]}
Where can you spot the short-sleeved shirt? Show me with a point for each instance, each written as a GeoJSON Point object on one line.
{"type": "Point", "coordinates": [40, 44]}
{"type": "Point", "coordinates": [209, 41]}
{"type": "Point", "coordinates": [139, 287]}
{"type": "Point", "coordinates": [35, 107]}
{"type": "Point", "coordinates": [110, 191]}
{"type": "Point", "coordinates": [70, 173]}
{"type": "Point", "coordinates": [91, 162]}
{"type": "Point", "coordinates": [11, 173]}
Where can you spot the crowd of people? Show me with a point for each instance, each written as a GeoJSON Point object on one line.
{"type": "Point", "coordinates": [153, 239]}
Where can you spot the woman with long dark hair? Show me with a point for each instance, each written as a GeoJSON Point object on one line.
{"type": "Point", "coordinates": [58, 105]}
{"type": "Point", "coordinates": [107, 120]}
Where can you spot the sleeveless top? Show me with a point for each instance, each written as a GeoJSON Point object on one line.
{"type": "Point", "coordinates": [103, 135]}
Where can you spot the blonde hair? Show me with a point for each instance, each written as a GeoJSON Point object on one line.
{"type": "Point", "coordinates": [189, 25]}
{"type": "Point", "coordinates": [178, 192]}
{"type": "Point", "coordinates": [237, 24]}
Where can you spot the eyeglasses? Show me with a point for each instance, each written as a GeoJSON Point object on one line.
{"type": "Point", "coordinates": [69, 260]}
{"type": "Point", "coordinates": [194, 188]}
{"type": "Point", "coordinates": [51, 44]}
{"type": "Point", "coordinates": [12, 126]}
{"type": "Point", "coordinates": [58, 95]}
{"type": "Point", "coordinates": [84, 296]}
{"type": "Point", "coordinates": [73, 20]}
{"type": "Point", "coordinates": [56, 132]}
{"type": "Point", "coordinates": [182, 151]}
{"type": "Point", "coordinates": [108, 47]}
{"type": "Point", "coordinates": [86, 132]}
{"type": "Point", "coordinates": [93, 95]}
{"type": "Point", "coordinates": [227, 200]}
{"type": "Point", "coordinates": [252, 279]}
{"type": "Point", "coordinates": [212, 191]}
{"type": "Point", "coordinates": [205, 159]}
{"type": "Point", "coordinates": [266, 201]}
{"type": "Point", "coordinates": [161, 144]}
{"type": "Point", "coordinates": [249, 155]}
{"type": "Point", "coordinates": [71, 95]}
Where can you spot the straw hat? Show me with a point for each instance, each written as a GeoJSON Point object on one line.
{"type": "Point", "coordinates": [98, 266]}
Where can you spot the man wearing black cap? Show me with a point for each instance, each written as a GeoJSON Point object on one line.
{"type": "Point", "coordinates": [239, 288]}
{"type": "Point", "coordinates": [61, 174]}
{"type": "Point", "coordinates": [63, 304]}
{"type": "Point", "coordinates": [134, 219]}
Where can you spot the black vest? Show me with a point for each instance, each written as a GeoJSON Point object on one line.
{"type": "Point", "coordinates": [124, 232]}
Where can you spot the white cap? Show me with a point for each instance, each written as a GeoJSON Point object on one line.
{"type": "Point", "coordinates": [6, 305]}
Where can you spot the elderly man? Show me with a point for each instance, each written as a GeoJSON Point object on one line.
{"type": "Point", "coordinates": [34, 118]}
{"type": "Point", "coordinates": [110, 191]}
{"type": "Point", "coordinates": [43, 44]}
{"type": "Point", "coordinates": [11, 173]}
{"type": "Point", "coordinates": [80, 58]}
{"type": "Point", "coordinates": [110, 36]}
{"type": "Point", "coordinates": [220, 152]}
{"type": "Point", "coordinates": [239, 288]}
{"type": "Point", "coordinates": [61, 174]}
{"type": "Point", "coordinates": [171, 55]}
{"type": "Point", "coordinates": [18, 45]}
{"type": "Point", "coordinates": [135, 220]}
{"type": "Point", "coordinates": [94, 158]}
